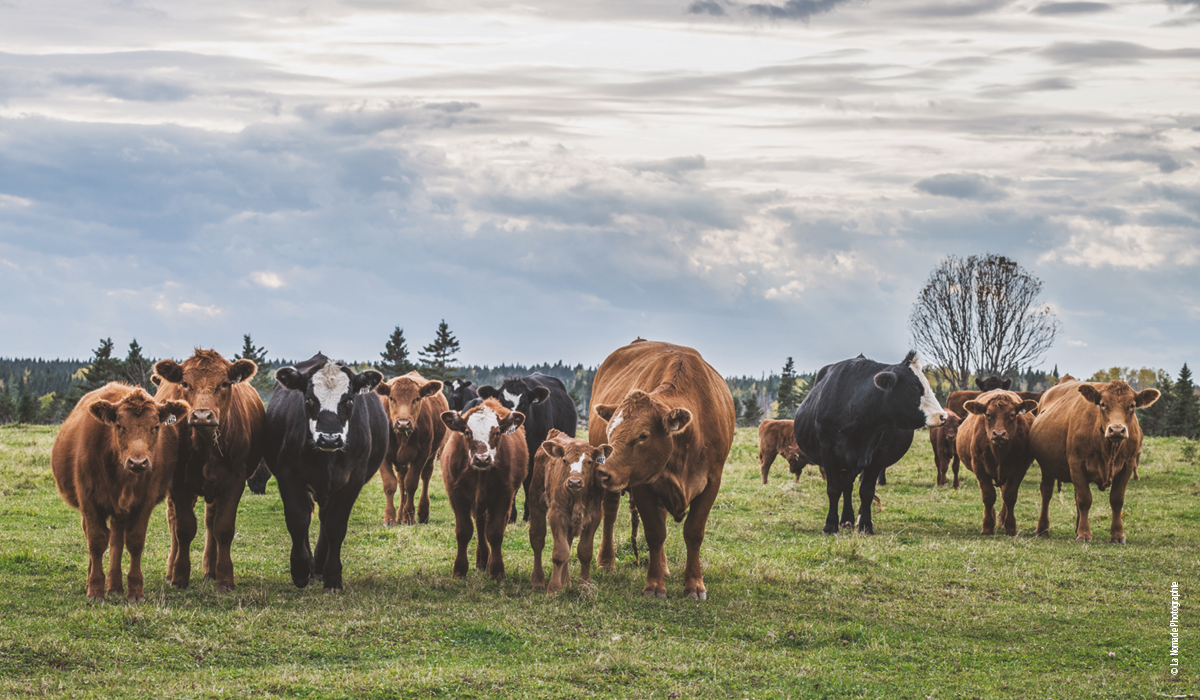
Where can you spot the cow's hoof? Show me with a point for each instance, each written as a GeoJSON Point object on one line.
{"type": "Point", "coordinates": [697, 595]}
{"type": "Point", "coordinates": [135, 598]}
{"type": "Point", "coordinates": [210, 577]}
{"type": "Point", "coordinates": [1119, 540]}
{"type": "Point", "coordinates": [300, 582]}
{"type": "Point", "coordinates": [651, 593]}
{"type": "Point", "coordinates": [178, 584]}
{"type": "Point", "coordinates": [333, 590]}
{"type": "Point", "coordinates": [1081, 538]}
{"type": "Point", "coordinates": [389, 524]}
{"type": "Point", "coordinates": [423, 520]}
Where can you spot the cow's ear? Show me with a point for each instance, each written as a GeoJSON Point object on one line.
{"type": "Point", "coordinates": [1006, 384]}
{"type": "Point", "coordinates": [1146, 397]}
{"type": "Point", "coordinates": [383, 389]}
{"type": "Point", "coordinates": [975, 407]}
{"type": "Point", "coordinates": [1027, 406]}
{"type": "Point", "coordinates": [156, 380]}
{"type": "Point", "coordinates": [602, 453]}
{"type": "Point", "coordinates": [454, 421]}
{"type": "Point", "coordinates": [885, 380]}
{"type": "Point", "coordinates": [365, 382]}
{"type": "Point", "coordinates": [169, 370]}
{"type": "Point", "coordinates": [104, 411]}
{"type": "Point", "coordinates": [172, 411]}
{"type": "Point", "coordinates": [539, 395]}
{"type": "Point", "coordinates": [1090, 393]}
{"type": "Point", "coordinates": [677, 419]}
{"type": "Point", "coordinates": [465, 383]}
{"type": "Point", "coordinates": [291, 378]}
{"type": "Point", "coordinates": [511, 422]}
{"type": "Point", "coordinates": [554, 432]}
{"type": "Point", "coordinates": [242, 370]}
{"type": "Point", "coordinates": [605, 412]}
{"type": "Point", "coordinates": [430, 389]}
{"type": "Point", "coordinates": [553, 449]}
{"type": "Point", "coordinates": [978, 385]}
{"type": "Point", "coordinates": [487, 391]}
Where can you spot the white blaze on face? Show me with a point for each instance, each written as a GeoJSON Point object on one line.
{"type": "Point", "coordinates": [329, 385]}
{"type": "Point", "coordinates": [934, 415]}
{"type": "Point", "coordinates": [514, 399]}
{"type": "Point", "coordinates": [612, 425]}
{"type": "Point", "coordinates": [577, 466]}
{"type": "Point", "coordinates": [480, 425]}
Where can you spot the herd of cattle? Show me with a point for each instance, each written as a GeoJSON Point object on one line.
{"type": "Point", "coordinates": [660, 428]}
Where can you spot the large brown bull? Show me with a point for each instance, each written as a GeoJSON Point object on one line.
{"type": "Point", "coordinates": [1087, 433]}
{"type": "Point", "coordinates": [414, 406]}
{"type": "Point", "coordinates": [222, 446]}
{"type": "Point", "coordinates": [669, 417]}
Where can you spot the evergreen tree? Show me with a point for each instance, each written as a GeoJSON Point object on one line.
{"type": "Point", "coordinates": [8, 406]}
{"type": "Point", "coordinates": [1153, 420]}
{"type": "Point", "coordinates": [438, 358]}
{"type": "Point", "coordinates": [27, 409]}
{"type": "Point", "coordinates": [395, 355]}
{"type": "Point", "coordinates": [752, 413]}
{"type": "Point", "coordinates": [258, 355]}
{"type": "Point", "coordinates": [1183, 416]}
{"type": "Point", "coordinates": [104, 368]}
{"type": "Point", "coordinates": [137, 368]}
{"type": "Point", "coordinates": [788, 397]}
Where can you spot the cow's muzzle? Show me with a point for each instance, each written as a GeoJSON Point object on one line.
{"type": "Point", "coordinates": [575, 483]}
{"type": "Point", "coordinates": [1000, 437]}
{"type": "Point", "coordinates": [935, 419]}
{"type": "Point", "coordinates": [403, 427]}
{"type": "Point", "coordinates": [481, 462]}
{"type": "Point", "coordinates": [137, 466]}
{"type": "Point", "coordinates": [1116, 432]}
{"type": "Point", "coordinates": [329, 442]}
{"type": "Point", "coordinates": [608, 482]}
{"type": "Point", "coordinates": [203, 418]}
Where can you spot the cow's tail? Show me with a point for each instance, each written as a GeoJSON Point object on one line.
{"type": "Point", "coordinates": [633, 528]}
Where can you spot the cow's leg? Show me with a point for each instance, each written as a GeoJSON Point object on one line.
{"type": "Point", "coordinates": [116, 548]}
{"type": "Point", "coordinates": [587, 540]}
{"type": "Point", "coordinates": [765, 459]}
{"type": "Point", "coordinates": [1047, 489]}
{"type": "Point", "coordinates": [654, 522]}
{"type": "Point", "coordinates": [297, 512]}
{"type": "Point", "coordinates": [954, 466]}
{"type": "Point", "coordinates": [866, 495]}
{"type": "Point", "coordinates": [410, 479]}
{"type": "Point", "coordinates": [182, 514]}
{"type": "Point", "coordinates": [95, 530]}
{"type": "Point", "coordinates": [1007, 512]}
{"type": "Point", "coordinates": [495, 536]}
{"type": "Point", "coordinates": [387, 477]}
{"type": "Point", "coordinates": [208, 562]}
{"type": "Point", "coordinates": [525, 485]}
{"type": "Point", "coordinates": [693, 537]}
{"type": "Point", "coordinates": [560, 556]}
{"type": "Point", "coordinates": [335, 515]}
{"type": "Point", "coordinates": [941, 465]}
{"type": "Point", "coordinates": [882, 480]}
{"type": "Point", "coordinates": [537, 542]}
{"type": "Point", "coordinates": [1116, 499]}
{"type": "Point", "coordinates": [1083, 503]}
{"type": "Point", "coordinates": [135, 542]}
{"type": "Point", "coordinates": [481, 545]}
{"type": "Point", "coordinates": [221, 518]}
{"type": "Point", "coordinates": [833, 489]}
{"type": "Point", "coordinates": [608, 554]}
{"type": "Point", "coordinates": [847, 495]}
{"type": "Point", "coordinates": [988, 491]}
{"type": "Point", "coordinates": [423, 508]}
{"type": "Point", "coordinates": [463, 528]}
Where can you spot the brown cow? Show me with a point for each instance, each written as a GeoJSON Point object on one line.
{"type": "Point", "coordinates": [483, 465]}
{"type": "Point", "coordinates": [669, 417]}
{"type": "Point", "coordinates": [113, 460]}
{"type": "Point", "coordinates": [776, 437]}
{"type": "Point", "coordinates": [564, 490]}
{"type": "Point", "coordinates": [945, 451]}
{"type": "Point", "coordinates": [226, 426]}
{"type": "Point", "coordinates": [1087, 433]}
{"type": "Point", "coordinates": [993, 442]}
{"type": "Point", "coordinates": [414, 407]}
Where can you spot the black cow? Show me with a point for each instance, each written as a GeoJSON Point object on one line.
{"type": "Point", "coordinates": [258, 480]}
{"type": "Point", "coordinates": [546, 405]}
{"type": "Point", "coordinates": [327, 434]}
{"type": "Point", "coordinates": [859, 418]}
{"type": "Point", "coordinates": [459, 393]}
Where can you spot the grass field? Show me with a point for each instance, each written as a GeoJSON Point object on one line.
{"type": "Point", "coordinates": [925, 608]}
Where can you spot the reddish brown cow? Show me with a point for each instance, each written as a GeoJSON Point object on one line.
{"type": "Point", "coordinates": [777, 437]}
{"type": "Point", "coordinates": [226, 426]}
{"type": "Point", "coordinates": [1087, 433]}
{"type": "Point", "coordinates": [113, 461]}
{"type": "Point", "coordinates": [943, 439]}
{"type": "Point", "coordinates": [669, 417]}
{"type": "Point", "coordinates": [993, 442]}
{"type": "Point", "coordinates": [414, 406]}
{"type": "Point", "coordinates": [483, 465]}
{"type": "Point", "coordinates": [564, 491]}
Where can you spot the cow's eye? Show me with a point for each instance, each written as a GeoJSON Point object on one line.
{"type": "Point", "coordinates": [225, 385]}
{"type": "Point", "coordinates": [1103, 406]}
{"type": "Point", "coordinates": [184, 385]}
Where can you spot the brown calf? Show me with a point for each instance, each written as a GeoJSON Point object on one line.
{"type": "Point", "coordinates": [414, 407]}
{"type": "Point", "coordinates": [564, 490]}
{"type": "Point", "coordinates": [483, 465]}
{"type": "Point", "coordinates": [777, 437]}
{"type": "Point", "coordinates": [943, 439]}
{"type": "Point", "coordinates": [993, 442]}
{"type": "Point", "coordinates": [221, 447]}
{"type": "Point", "coordinates": [113, 461]}
{"type": "Point", "coordinates": [1088, 433]}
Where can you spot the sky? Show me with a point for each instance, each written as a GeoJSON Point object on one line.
{"type": "Point", "coordinates": [757, 180]}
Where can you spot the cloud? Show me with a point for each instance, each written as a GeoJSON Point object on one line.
{"type": "Point", "coordinates": [802, 10]}
{"type": "Point", "coordinates": [1135, 148]}
{"type": "Point", "coordinates": [270, 280]}
{"type": "Point", "coordinates": [706, 7]}
{"type": "Point", "coordinates": [190, 309]}
{"type": "Point", "coordinates": [1071, 8]}
{"type": "Point", "coordinates": [964, 186]}
{"type": "Point", "coordinates": [1101, 53]}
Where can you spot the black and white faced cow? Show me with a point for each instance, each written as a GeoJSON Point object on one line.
{"type": "Point", "coordinates": [459, 393]}
{"type": "Point", "coordinates": [327, 434]}
{"type": "Point", "coordinates": [546, 405]}
{"type": "Point", "coordinates": [859, 418]}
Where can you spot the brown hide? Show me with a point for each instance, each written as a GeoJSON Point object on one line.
{"type": "Point", "coordinates": [956, 399]}
{"type": "Point", "coordinates": [113, 461]}
{"type": "Point", "coordinates": [414, 407]}
{"type": "Point", "coordinates": [670, 419]}
{"type": "Point", "coordinates": [563, 490]}
{"type": "Point", "coordinates": [993, 442]}
{"type": "Point", "coordinates": [945, 451]}
{"type": "Point", "coordinates": [227, 423]}
{"type": "Point", "coordinates": [483, 494]}
{"type": "Point", "coordinates": [778, 437]}
{"type": "Point", "coordinates": [1088, 433]}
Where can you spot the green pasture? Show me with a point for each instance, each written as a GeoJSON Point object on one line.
{"type": "Point", "coordinates": [926, 608]}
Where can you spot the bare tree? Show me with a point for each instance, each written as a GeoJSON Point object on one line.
{"type": "Point", "coordinates": [981, 315]}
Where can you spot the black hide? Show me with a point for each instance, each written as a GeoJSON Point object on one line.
{"type": "Point", "coordinates": [460, 392]}
{"type": "Point", "coordinates": [258, 480]}
{"type": "Point", "coordinates": [332, 479]}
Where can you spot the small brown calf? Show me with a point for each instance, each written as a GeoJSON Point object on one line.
{"type": "Point", "coordinates": [993, 442]}
{"type": "Point", "coordinates": [943, 439]}
{"type": "Point", "coordinates": [778, 437]}
{"type": "Point", "coordinates": [414, 407]}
